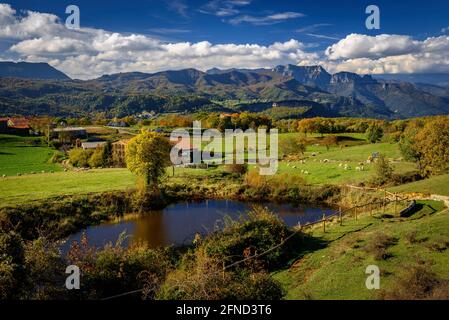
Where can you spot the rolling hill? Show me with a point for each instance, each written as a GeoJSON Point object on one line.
{"type": "Point", "coordinates": [310, 88]}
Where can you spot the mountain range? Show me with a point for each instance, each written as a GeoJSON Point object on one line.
{"type": "Point", "coordinates": [309, 90]}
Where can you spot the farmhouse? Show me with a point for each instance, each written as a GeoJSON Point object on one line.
{"type": "Point", "coordinates": [185, 150]}
{"type": "Point", "coordinates": [16, 126]}
{"type": "Point", "coordinates": [118, 124]}
{"type": "Point", "coordinates": [69, 134]}
{"type": "Point", "coordinates": [118, 153]}
{"type": "Point", "coordinates": [92, 145]}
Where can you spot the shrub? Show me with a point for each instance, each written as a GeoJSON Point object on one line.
{"type": "Point", "coordinates": [378, 245]}
{"type": "Point", "coordinates": [259, 231]}
{"type": "Point", "coordinates": [79, 157]}
{"type": "Point", "coordinates": [114, 270]}
{"type": "Point", "coordinates": [201, 277]}
{"type": "Point", "coordinates": [374, 133]}
{"type": "Point", "coordinates": [418, 283]}
{"type": "Point", "coordinates": [96, 159]}
{"type": "Point", "coordinates": [57, 157]}
{"type": "Point", "coordinates": [12, 270]}
{"type": "Point", "coordinates": [45, 267]}
{"type": "Point", "coordinates": [239, 169]}
{"type": "Point", "coordinates": [383, 170]}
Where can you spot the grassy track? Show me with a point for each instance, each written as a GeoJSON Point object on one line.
{"type": "Point", "coordinates": [337, 269]}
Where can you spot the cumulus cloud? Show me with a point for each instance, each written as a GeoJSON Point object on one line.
{"type": "Point", "coordinates": [89, 53]}
{"type": "Point", "coordinates": [363, 46]}
{"type": "Point", "coordinates": [388, 54]}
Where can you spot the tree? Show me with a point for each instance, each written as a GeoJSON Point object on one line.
{"type": "Point", "coordinates": [432, 145]}
{"type": "Point", "coordinates": [96, 159]}
{"type": "Point", "coordinates": [79, 157]}
{"type": "Point", "coordinates": [107, 154]}
{"type": "Point", "coordinates": [383, 170]}
{"type": "Point", "coordinates": [293, 145]}
{"type": "Point", "coordinates": [374, 133]}
{"type": "Point", "coordinates": [147, 156]}
{"type": "Point", "coordinates": [329, 141]}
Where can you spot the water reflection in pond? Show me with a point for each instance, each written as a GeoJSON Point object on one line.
{"type": "Point", "coordinates": [178, 223]}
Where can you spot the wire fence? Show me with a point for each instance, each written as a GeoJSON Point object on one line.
{"type": "Point", "coordinates": [387, 200]}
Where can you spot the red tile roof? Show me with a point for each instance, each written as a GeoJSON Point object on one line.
{"type": "Point", "coordinates": [19, 123]}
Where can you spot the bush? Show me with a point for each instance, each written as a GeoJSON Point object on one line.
{"type": "Point", "coordinates": [239, 169]}
{"type": "Point", "coordinates": [12, 261]}
{"type": "Point", "coordinates": [96, 159]}
{"type": "Point", "coordinates": [383, 170]}
{"type": "Point", "coordinates": [57, 157]}
{"type": "Point", "coordinates": [114, 270]}
{"type": "Point", "coordinates": [378, 245]}
{"type": "Point", "coordinates": [259, 231]}
{"type": "Point", "coordinates": [201, 277]}
{"type": "Point", "coordinates": [419, 283]}
{"type": "Point", "coordinates": [79, 157]}
{"type": "Point", "coordinates": [374, 133]}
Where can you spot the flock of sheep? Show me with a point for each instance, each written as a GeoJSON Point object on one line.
{"type": "Point", "coordinates": [345, 166]}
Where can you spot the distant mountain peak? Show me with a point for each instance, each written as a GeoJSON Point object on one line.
{"type": "Point", "coordinates": [27, 70]}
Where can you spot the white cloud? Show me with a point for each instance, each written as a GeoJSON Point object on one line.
{"type": "Point", "coordinates": [266, 20]}
{"type": "Point", "coordinates": [225, 8]}
{"type": "Point", "coordinates": [363, 46]}
{"type": "Point", "coordinates": [89, 53]}
{"type": "Point", "coordinates": [388, 54]}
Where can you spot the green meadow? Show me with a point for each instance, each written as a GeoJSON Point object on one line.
{"type": "Point", "coordinates": [335, 267]}
{"type": "Point", "coordinates": [323, 167]}
{"type": "Point", "coordinates": [23, 155]}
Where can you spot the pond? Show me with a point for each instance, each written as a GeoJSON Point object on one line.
{"type": "Point", "coordinates": [178, 223]}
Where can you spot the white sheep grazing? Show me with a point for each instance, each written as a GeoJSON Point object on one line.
{"type": "Point", "coordinates": [4, 176]}
{"type": "Point", "coordinates": [294, 167]}
{"type": "Point", "coordinates": [340, 165]}
{"type": "Point", "coordinates": [306, 173]}
{"type": "Point", "coordinates": [357, 168]}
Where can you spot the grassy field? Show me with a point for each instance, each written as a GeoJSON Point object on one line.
{"type": "Point", "coordinates": [15, 190]}
{"type": "Point", "coordinates": [37, 186]}
{"type": "Point", "coordinates": [331, 172]}
{"type": "Point", "coordinates": [335, 267]}
{"type": "Point", "coordinates": [435, 185]}
{"type": "Point", "coordinates": [19, 156]}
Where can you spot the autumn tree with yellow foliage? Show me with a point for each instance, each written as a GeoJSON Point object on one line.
{"type": "Point", "coordinates": [147, 156]}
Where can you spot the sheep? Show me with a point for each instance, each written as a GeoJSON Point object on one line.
{"type": "Point", "coordinates": [340, 165]}
{"type": "Point", "coordinates": [306, 172]}
{"type": "Point", "coordinates": [4, 176]}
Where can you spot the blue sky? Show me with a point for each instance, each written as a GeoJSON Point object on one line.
{"type": "Point", "coordinates": [196, 20]}
{"type": "Point", "coordinates": [315, 25]}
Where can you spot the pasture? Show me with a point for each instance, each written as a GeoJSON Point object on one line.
{"type": "Point", "coordinates": [24, 155]}
{"type": "Point", "coordinates": [336, 268]}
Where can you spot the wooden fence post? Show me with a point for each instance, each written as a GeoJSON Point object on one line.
{"type": "Point", "coordinates": [341, 216]}
{"type": "Point", "coordinates": [395, 203]}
